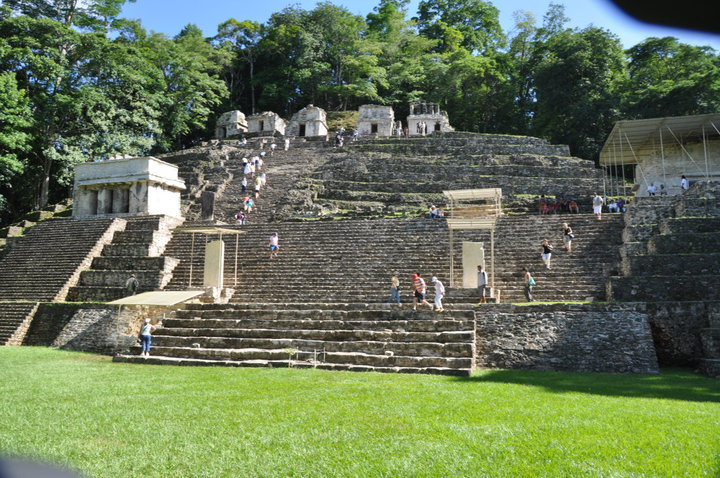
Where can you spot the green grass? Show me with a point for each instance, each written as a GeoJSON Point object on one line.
{"type": "Point", "coordinates": [122, 420]}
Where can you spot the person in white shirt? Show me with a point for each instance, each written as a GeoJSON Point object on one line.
{"type": "Point", "coordinates": [439, 293]}
{"type": "Point", "coordinates": [684, 183]}
{"type": "Point", "coordinates": [651, 189]}
{"type": "Point", "coordinates": [482, 282]}
{"type": "Point", "coordinates": [597, 203]}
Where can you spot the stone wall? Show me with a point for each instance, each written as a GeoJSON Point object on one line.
{"type": "Point", "coordinates": [566, 337]}
{"type": "Point", "coordinates": [676, 330]}
{"type": "Point", "coordinates": [676, 163]}
{"type": "Point", "coordinates": [96, 328]}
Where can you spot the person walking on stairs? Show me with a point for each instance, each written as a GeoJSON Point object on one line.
{"type": "Point", "coordinates": [568, 236]}
{"type": "Point", "coordinates": [528, 282]}
{"type": "Point", "coordinates": [419, 294]}
{"type": "Point", "coordinates": [546, 253]}
{"type": "Point", "coordinates": [395, 288]}
{"type": "Point", "coordinates": [146, 337]}
{"type": "Point", "coordinates": [439, 294]}
{"type": "Point", "coordinates": [482, 282]}
{"type": "Point", "coordinates": [274, 245]}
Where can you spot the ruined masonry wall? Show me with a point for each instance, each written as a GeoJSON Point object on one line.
{"type": "Point", "coordinates": [566, 337]}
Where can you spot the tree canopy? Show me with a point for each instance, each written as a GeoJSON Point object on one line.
{"type": "Point", "coordinates": [78, 82]}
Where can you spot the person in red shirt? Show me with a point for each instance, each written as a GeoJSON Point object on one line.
{"type": "Point", "coordinates": [419, 296]}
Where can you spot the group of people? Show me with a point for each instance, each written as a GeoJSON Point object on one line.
{"type": "Point", "coordinates": [419, 289]}
{"type": "Point", "coordinates": [253, 169]}
{"type": "Point", "coordinates": [421, 128]}
{"type": "Point", "coordinates": [436, 213]}
{"type": "Point", "coordinates": [548, 205]}
{"type": "Point", "coordinates": [654, 191]}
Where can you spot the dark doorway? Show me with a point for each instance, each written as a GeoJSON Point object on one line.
{"type": "Point", "coordinates": [373, 128]}
{"type": "Point", "coordinates": [437, 126]}
{"type": "Point", "coordinates": [302, 130]}
{"type": "Point", "coordinates": [262, 125]}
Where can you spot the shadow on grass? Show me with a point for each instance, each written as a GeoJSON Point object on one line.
{"type": "Point", "coordinates": [673, 384]}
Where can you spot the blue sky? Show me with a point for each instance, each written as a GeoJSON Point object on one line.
{"type": "Point", "coordinates": [170, 16]}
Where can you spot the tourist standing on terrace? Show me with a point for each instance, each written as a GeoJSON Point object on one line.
{"type": "Point", "coordinates": [243, 185]}
{"type": "Point", "coordinates": [274, 245]}
{"type": "Point", "coordinates": [287, 144]}
{"type": "Point", "coordinates": [528, 282]}
{"type": "Point", "coordinates": [439, 294]}
{"type": "Point", "coordinates": [568, 236]}
{"type": "Point", "coordinates": [395, 288]}
{"type": "Point", "coordinates": [597, 202]}
{"type": "Point", "coordinates": [684, 185]}
{"type": "Point", "coordinates": [146, 337]}
{"type": "Point", "coordinates": [482, 282]}
{"type": "Point", "coordinates": [546, 253]}
{"type": "Point", "coordinates": [132, 284]}
{"type": "Point", "coordinates": [419, 294]}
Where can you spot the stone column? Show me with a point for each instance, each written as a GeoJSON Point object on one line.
{"type": "Point", "coordinates": [214, 264]}
{"type": "Point", "coordinates": [120, 200]}
{"type": "Point", "coordinates": [104, 202]}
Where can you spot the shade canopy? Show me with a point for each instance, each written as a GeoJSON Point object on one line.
{"type": "Point", "coordinates": [632, 141]}
{"type": "Point", "coordinates": [159, 297]}
{"type": "Point", "coordinates": [473, 194]}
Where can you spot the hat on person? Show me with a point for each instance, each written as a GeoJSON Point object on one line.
{"type": "Point", "coordinates": [415, 275]}
{"type": "Point", "coordinates": [433, 279]}
{"type": "Point", "coordinates": [397, 273]}
{"type": "Point", "coordinates": [147, 319]}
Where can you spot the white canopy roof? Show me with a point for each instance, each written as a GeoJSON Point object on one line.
{"type": "Point", "coordinates": [631, 141]}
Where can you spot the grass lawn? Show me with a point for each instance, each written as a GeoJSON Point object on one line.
{"type": "Point", "coordinates": [123, 420]}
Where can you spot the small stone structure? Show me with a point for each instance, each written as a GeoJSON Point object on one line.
{"type": "Point", "coordinates": [376, 119]}
{"type": "Point", "coordinates": [266, 123]}
{"type": "Point", "coordinates": [309, 122]}
{"type": "Point", "coordinates": [135, 186]}
{"type": "Point", "coordinates": [430, 115]}
{"type": "Point", "coordinates": [230, 123]}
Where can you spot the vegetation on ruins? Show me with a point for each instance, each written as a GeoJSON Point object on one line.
{"type": "Point", "coordinates": [79, 82]}
{"type": "Point", "coordinates": [107, 420]}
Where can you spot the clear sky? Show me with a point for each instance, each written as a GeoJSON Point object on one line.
{"type": "Point", "coordinates": [169, 16]}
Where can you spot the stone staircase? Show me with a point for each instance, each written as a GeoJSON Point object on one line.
{"type": "Point", "coordinates": [347, 337]}
{"type": "Point", "coordinates": [671, 255]}
{"type": "Point", "coordinates": [138, 249]}
{"type": "Point", "coordinates": [14, 320]}
{"type": "Point", "coordinates": [352, 260]}
{"type": "Point", "coordinates": [404, 176]}
{"type": "Point", "coordinates": [46, 262]}
{"type": "Point", "coordinates": [576, 276]}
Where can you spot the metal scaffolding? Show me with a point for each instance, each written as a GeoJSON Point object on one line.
{"type": "Point", "coordinates": [640, 142]}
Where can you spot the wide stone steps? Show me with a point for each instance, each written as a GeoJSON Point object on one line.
{"type": "Point", "coordinates": [319, 336]}
{"type": "Point", "coordinates": [12, 316]}
{"type": "Point", "coordinates": [39, 265]}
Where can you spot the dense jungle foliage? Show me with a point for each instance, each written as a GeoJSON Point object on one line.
{"type": "Point", "coordinates": [78, 82]}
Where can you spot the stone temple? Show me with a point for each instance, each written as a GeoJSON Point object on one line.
{"type": "Point", "coordinates": [309, 122]}
{"type": "Point", "coordinates": [430, 115]}
{"type": "Point", "coordinates": [376, 120]}
{"type": "Point", "coordinates": [640, 289]}
{"type": "Point", "coordinates": [231, 124]}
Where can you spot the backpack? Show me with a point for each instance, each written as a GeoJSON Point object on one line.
{"type": "Point", "coordinates": [531, 282]}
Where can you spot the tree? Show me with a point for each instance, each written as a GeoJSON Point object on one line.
{"type": "Point", "coordinates": [15, 122]}
{"type": "Point", "coordinates": [190, 86]}
{"type": "Point", "coordinates": [668, 78]}
{"type": "Point", "coordinates": [576, 83]}
{"type": "Point", "coordinates": [240, 39]}
{"type": "Point", "coordinates": [470, 24]}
